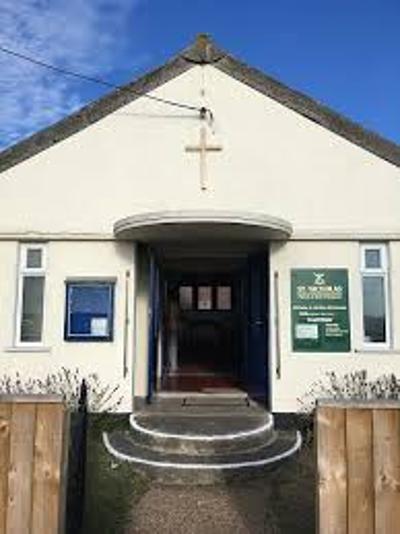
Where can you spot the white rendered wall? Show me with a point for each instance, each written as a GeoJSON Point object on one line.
{"type": "Point", "coordinates": [112, 260]}
{"type": "Point", "coordinates": [274, 161]}
{"type": "Point", "coordinates": [299, 370]}
{"type": "Point", "coordinates": [66, 260]}
{"type": "Point", "coordinates": [142, 323]}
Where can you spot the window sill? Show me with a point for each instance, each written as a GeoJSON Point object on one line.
{"type": "Point", "coordinates": [88, 340]}
{"type": "Point", "coordinates": [28, 349]}
{"type": "Point", "coordinates": [377, 350]}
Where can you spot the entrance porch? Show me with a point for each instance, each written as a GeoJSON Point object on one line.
{"type": "Point", "coordinates": [202, 346]}
{"type": "Point", "coordinates": [202, 302]}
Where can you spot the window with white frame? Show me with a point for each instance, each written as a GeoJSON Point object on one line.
{"type": "Point", "coordinates": [375, 294]}
{"type": "Point", "coordinates": [30, 304]}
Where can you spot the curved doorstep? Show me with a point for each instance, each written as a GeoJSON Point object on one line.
{"type": "Point", "coordinates": [259, 426]}
{"type": "Point", "coordinates": [201, 434]}
{"type": "Point", "coordinates": [121, 446]}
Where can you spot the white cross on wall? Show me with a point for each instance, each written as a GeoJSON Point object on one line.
{"type": "Point", "coordinates": [202, 149]}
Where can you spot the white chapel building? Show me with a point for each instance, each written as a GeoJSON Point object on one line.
{"type": "Point", "coordinates": [246, 240]}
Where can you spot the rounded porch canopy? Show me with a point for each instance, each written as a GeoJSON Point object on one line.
{"type": "Point", "coordinates": [192, 226]}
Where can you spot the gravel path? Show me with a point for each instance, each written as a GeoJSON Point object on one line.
{"type": "Point", "coordinates": [281, 502]}
{"type": "Point", "coordinates": [198, 510]}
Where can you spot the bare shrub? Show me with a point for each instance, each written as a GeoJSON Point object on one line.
{"type": "Point", "coordinates": [347, 386]}
{"type": "Point", "coordinates": [355, 385]}
{"type": "Point", "coordinates": [65, 382]}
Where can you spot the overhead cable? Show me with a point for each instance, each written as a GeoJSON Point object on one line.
{"type": "Point", "coordinates": [66, 72]}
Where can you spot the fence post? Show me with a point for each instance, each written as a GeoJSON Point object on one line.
{"type": "Point", "coordinates": [77, 464]}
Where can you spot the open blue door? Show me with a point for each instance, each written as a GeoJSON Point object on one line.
{"type": "Point", "coordinates": [154, 324]}
{"type": "Point", "coordinates": [257, 327]}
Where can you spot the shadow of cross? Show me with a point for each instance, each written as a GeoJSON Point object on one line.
{"type": "Point", "coordinates": [202, 149]}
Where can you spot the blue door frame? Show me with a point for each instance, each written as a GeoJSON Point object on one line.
{"type": "Point", "coordinates": [154, 323]}
{"type": "Point", "coordinates": [256, 367]}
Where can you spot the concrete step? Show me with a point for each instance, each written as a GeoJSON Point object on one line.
{"type": "Point", "coordinates": [211, 399]}
{"type": "Point", "coordinates": [174, 468]}
{"type": "Point", "coordinates": [200, 432]}
{"type": "Point", "coordinates": [182, 447]}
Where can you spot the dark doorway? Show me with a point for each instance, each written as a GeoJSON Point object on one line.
{"type": "Point", "coordinates": [203, 318]}
{"type": "Point", "coordinates": [209, 323]}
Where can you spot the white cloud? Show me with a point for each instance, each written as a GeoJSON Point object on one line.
{"type": "Point", "coordinates": [87, 36]}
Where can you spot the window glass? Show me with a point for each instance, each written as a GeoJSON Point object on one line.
{"type": "Point", "coordinates": [32, 309]}
{"type": "Point", "coordinates": [186, 297]}
{"type": "Point", "coordinates": [204, 298]}
{"type": "Point", "coordinates": [89, 309]}
{"type": "Point", "coordinates": [374, 309]}
{"type": "Point", "coordinates": [34, 258]}
{"type": "Point", "coordinates": [373, 258]}
{"type": "Point", "coordinates": [30, 297]}
{"type": "Point", "coordinates": [224, 298]}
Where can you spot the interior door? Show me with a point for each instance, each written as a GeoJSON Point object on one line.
{"type": "Point", "coordinates": [208, 333]}
{"type": "Point", "coordinates": [257, 327]}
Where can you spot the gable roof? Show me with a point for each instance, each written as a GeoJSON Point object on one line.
{"type": "Point", "coordinates": [202, 51]}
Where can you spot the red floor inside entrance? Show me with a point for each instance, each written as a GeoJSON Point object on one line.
{"type": "Point", "coordinates": [198, 382]}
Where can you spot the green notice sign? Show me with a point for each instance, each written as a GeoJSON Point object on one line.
{"type": "Point", "coordinates": [320, 310]}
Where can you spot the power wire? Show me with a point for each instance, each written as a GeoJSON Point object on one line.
{"type": "Point", "coordinates": [202, 110]}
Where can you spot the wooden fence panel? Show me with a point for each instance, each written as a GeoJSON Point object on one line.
{"type": "Point", "coordinates": [360, 472]}
{"type": "Point", "coordinates": [20, 469]}
{"type": "Point", "coordinates": [32, 441]}
{"type": "Point", "coordinates": [5, 417]}
{"type": "Point", "coordinates": [47, 474]}
{"type": "Point", "coordinates": [387, 470]}
{"type": "Point", "coordinates": [358, 448]}
{"type": "Point", "coordinates": [332, 476]}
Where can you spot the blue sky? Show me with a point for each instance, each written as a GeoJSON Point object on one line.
{"type": "Point", "coordinates": [344, 53]}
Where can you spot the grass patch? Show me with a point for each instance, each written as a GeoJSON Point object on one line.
{"type": "Point", "coordinates": [112, 486]}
